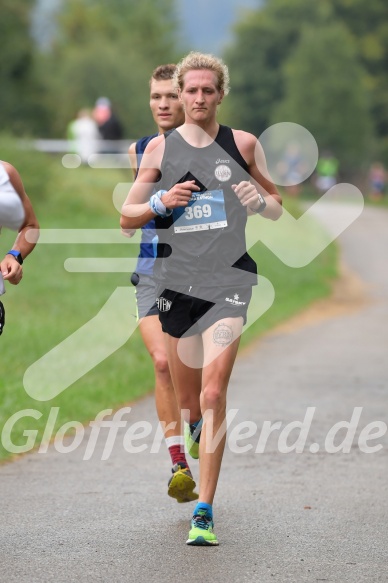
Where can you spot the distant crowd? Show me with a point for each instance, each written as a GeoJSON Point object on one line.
{"type": "Point", "coordinates": [93, 125]}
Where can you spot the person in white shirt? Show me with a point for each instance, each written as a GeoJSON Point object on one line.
{"type": "Point", "coordinates": [16, 213]}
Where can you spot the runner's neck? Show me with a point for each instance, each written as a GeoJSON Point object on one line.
{"type": "Point", "coordinates": [198, 136]}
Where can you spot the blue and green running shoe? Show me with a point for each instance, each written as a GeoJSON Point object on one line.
{"type": "Point", "coordinates": [192, 440]}
{"type": "Point", "coordinates": [201, 533]}
{"type": "Point", "coordinates": [181, 484]}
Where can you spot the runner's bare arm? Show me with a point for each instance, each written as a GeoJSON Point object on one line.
{"type": "Point", "coordinates": [136, 210]}
{"type": "Point", "coordinates": [133, 158]}
{"type": "Point", "coordinates": [253, 154]}
{"type": "Point", "coordinates": [30, 222]}
{"type": "Point", "coordinates": [10, 268]}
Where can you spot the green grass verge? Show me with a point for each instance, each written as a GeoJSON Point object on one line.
{"type": "Point", "coordinates": [50, 304]}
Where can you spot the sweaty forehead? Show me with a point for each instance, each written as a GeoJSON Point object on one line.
{"type": "Point", "coordinates": [164, 86]}
{"type": "Point", "coordinates": [201, 77]}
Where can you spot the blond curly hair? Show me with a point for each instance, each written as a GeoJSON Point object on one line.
{"type": "Point", "coordinates": [198, 61]}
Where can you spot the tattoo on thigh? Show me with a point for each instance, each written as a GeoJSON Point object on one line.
{"type": "Point", "coordinates": [223, 335]}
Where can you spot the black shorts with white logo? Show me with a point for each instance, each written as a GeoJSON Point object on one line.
{"type": "Point", "coordinates": [186, 311]}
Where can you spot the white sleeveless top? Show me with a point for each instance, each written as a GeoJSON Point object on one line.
{"type": "Point", "coordinates": [11, 207]}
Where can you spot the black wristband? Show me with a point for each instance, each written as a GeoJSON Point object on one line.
{"type": "Point", "coordinates": [262, 206]}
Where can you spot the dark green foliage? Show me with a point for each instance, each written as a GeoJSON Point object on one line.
{"type": "Point", "coordinates": [325, 92]}
{"type": "Point", "coordinates": [107, 49]}
{"type": "Point", "coordinates": [322, 64]}
{"type": "Point", "coordinates": [264, 39]}
{"type": "Point", "coordinates": [20, 105]}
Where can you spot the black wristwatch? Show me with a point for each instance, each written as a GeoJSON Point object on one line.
{"type": "Point", "coordinates": [17, 255]}
{"type": "Point", "coordinates": [262, 206]}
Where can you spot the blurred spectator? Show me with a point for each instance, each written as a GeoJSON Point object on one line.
{"type": "Point", "coordinates": [326, 172]}
{"type": "Point", "coordinates": [109, 125]}
{"type": "Point", "coordinates": [292, 169]}
{"type": "Point", "coordinates": [377, 181]}
{"type": "Point", "coordinates": [84, 132]}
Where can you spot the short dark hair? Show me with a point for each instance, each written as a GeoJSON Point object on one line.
{"type": "Point", "coordinates": [163, 72]}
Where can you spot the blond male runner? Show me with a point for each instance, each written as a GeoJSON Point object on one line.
{"type": "Point", "coordinates": [208, 177]}
{"type": "Point", "coordinates": [168, 113]}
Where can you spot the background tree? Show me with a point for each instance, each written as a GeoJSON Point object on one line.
{"type": "Point", "coordinates": [267, 53]}
{"type": "Point", "coordinates": [367, 22]}
{"type": "Point", "coordinates": [20, 94]}
{"type": "Point", "coordinates": [107, 49]}
{"type": "Point", "coordinates": [325, 92]}
{"type": "Point", "coordinates": [263, 41]}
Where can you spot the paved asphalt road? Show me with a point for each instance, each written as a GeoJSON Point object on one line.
{"type": "Point", "coordinates": [283, 517]}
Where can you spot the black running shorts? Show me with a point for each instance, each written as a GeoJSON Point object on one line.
{"type": "Point", "coordinates": [192, 310]}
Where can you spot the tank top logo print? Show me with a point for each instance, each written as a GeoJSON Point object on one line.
{"type": "Point", "coordinates": [223, 173]}
{"type": "Point", "coordinates": [206, 210]}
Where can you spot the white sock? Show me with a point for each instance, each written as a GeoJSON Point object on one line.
{"type": "Point", "coordinates": [175, 440]}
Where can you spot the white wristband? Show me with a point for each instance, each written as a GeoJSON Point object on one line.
{"type": "Point", "coordinates": [157, 206]}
